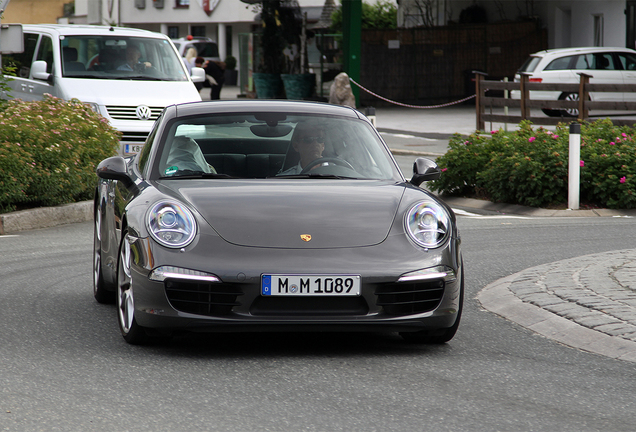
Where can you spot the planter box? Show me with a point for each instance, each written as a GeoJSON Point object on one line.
{"type": "Point", "coordinates": [267, 85]}
{"type": "Point", "coordinates": [299, 86]}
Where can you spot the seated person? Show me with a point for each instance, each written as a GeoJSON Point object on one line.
{"type": "Point", "coordinates": [186, 155]}
{"type": "Point", "coordinates": [309, 141]}
{"type": "Point", "coordinates": [133, 54]}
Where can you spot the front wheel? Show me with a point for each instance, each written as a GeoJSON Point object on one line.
{"type": "Point", "coordinates": [132, 332]}
{"type": "Point", "coordinates": [101, 294]}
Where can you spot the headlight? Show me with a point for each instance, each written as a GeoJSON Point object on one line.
{"type": "Point", "coordinates": [428, 224]}
{"type": "Point", "coordinates": [171, 224]}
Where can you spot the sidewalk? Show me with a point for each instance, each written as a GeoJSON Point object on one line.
{"type": "Point", "coordinates": [587, 302]}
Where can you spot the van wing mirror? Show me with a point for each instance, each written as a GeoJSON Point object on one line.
{"type": "Point", "coordinates": [198, 75]}
{"type": "Point", "coordinates": [38, 71]}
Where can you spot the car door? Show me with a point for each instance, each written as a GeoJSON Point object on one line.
{"type": "Point", "coordinates": [605, 70]}
{"type": "Point", "coordinates": [628, 62]}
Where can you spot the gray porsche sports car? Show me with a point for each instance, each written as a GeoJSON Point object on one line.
{"type": "Point", "coordinates": [273, 216]}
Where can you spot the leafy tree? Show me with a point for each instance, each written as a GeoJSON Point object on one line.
{"type": "Point", "coordinates": [382, 15]}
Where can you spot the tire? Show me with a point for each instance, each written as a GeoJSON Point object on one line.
{"type": "Point", "coordinates": [552, 113]}
{"type": "Point", "coordinates": [569, 97]}
{"type": "Point", "coordinates": [101, 294]}
{"type": "Point", "coordinates": [132, 332]}
{"type": "Point", "coordinates": [438, 336]}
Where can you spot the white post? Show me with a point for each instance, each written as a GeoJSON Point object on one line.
{"type": "Point", "coordinates": [574, 166]}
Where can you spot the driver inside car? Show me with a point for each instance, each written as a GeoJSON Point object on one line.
{"type": "Point", "coordinates": [308, 141]}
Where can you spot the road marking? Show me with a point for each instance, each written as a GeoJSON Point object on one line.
{"type": "Point", "coordinates": [408, 136]}
{"type": "Point", "coordinates": [6, 236]}
{"type": "Point", "coordinates": [478, 216]}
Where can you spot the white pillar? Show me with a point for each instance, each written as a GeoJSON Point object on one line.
{"type": "Point", "coordinates": [574, 166]}
{"type": "Point", "coordinates": [220, 40]}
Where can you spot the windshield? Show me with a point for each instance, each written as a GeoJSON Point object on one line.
{"type": "Point", "coordinates": [102, 57]}
{"type": "Point", "coordinates": [274, 145]}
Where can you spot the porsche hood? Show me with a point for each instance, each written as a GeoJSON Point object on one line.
{"type": "Point", "coordinates": [295, 213]}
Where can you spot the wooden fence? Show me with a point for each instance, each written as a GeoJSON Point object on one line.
{"type": "Point", "coordinates": [525, 104]}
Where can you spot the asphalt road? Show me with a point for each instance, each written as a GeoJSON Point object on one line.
{"type": "Point", "coordinates": [64, 366]}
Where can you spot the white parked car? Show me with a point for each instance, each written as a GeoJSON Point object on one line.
{"type": "Point", "coordinates": [606, 66]}
{"type": "Point", "coordinates": [205, 47]}
{"type": "Point", "coordinates": [127, 75]}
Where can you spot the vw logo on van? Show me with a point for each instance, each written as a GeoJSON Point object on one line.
{"type": "Point", "coordinates": [143, 112]}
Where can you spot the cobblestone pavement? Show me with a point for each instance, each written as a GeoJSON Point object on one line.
{"type": "Point", "coordinates": [588, 302]}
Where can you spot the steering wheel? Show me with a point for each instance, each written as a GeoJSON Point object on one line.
{"type": "Point", "coordinates": [322, 160]}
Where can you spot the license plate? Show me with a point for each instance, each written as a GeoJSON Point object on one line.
{"type": "Point", "coordinates": [310, 285]}
{"type": "Point", "coordinates": [132, 148]}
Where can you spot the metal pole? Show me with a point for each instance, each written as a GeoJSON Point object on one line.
{"type": "Point", "coordinates": [574, 166]}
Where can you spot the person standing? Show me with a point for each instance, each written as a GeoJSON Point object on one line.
{"type": "Point", "coordinates": [215, 70]}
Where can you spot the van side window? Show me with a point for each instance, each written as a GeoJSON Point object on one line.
{"type": "Point", "coordinates": [22, 61]}
{"type": "Point", "coordinates": [45, 52]}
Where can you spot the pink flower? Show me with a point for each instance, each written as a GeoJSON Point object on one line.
{"type": "Point", "coordinates": [493, 132]}
{"type": "Point", "coordinates": [555, 136]}
{"type": "Point", "coordinates": [612, 143]}
{"type": "Point", "coordinates": [624, 135]}
{"type": "Point", "coordinates": [444, 169]}
{"type": "Point", "coordinates": [582, 163]}
{"type": "Point", "coordinates": [531, 139]}
{"type": "Point", "coordinates": [623, 180]}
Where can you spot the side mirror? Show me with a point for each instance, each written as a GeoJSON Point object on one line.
{"type": "Point", "coordinates": [198, 75]}
{"type": "Point", "coordinates": [114, 168]}
{"type": "Point", "coordinates": [38, 71]}
{"type": "Point", "coordinates": [424, 170]}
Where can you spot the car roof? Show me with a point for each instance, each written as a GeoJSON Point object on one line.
{"type": "Point", "coordinates": [229, 106]}
{"type": "Point", "coordinates": [576, 50]}
{"type": "Point", "coordinates": [79, 29]}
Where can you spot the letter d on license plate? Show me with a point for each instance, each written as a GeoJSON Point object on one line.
{"type": "Point", "coordinates": [310, 285]}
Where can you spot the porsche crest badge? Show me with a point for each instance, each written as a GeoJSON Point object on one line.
{"type": "Point", "coordinates": [305, 237]}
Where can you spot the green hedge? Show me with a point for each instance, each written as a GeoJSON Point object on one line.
{"type": "Point", "coordinates": [49, 150]}
{"type": "Point", "coordinates": [530, 166]}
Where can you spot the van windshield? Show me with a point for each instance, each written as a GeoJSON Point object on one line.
{"type": "Point", "coordinates": [102, 57]}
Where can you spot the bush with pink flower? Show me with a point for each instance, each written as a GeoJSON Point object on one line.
{"type": "Point", "coordinates": [49, 150]}
{"type": "Point", "coordinates": [530, 166]}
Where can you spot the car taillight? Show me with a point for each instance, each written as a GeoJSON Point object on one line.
{"type": "Point", "coordinates": [535, 80]}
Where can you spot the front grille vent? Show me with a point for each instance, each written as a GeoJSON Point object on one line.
{"type": "Point", "coordinates": [121, 112]}
{"type": "Point", "coordinates": [134, 137]}
{"type": "Point", "coordinates": [409, 298]}
{"type": "Point", "coordinates": [211, 299]}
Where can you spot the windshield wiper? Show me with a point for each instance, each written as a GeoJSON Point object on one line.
{"type": "Point", "coordinates": [190, 174]}
{"type": "Point", "coordinates": [315, 175]}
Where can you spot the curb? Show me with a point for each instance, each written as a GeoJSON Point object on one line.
{"type": "Point", "coordinates": [45, 217]}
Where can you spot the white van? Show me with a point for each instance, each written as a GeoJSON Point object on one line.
{"type": "Point", "coordinates": [127, 75]}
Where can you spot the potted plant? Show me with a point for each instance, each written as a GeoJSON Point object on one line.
{"type": "Point", "coordinates": [269, 59]}
{"type": "Point", "coordinates": [231, 74]}
{"type": "Point", "coordinates": [298, 83]}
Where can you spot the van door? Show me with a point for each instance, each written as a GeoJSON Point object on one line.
{"type": "Point", "coordinates": [24, 86]}
{"type": "Point", "coordinates": [17, 67]}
